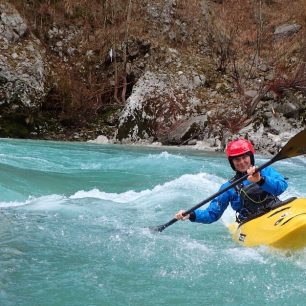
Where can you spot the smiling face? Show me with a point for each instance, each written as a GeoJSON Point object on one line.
{"type": "Point", "coordinates": [242, 162]}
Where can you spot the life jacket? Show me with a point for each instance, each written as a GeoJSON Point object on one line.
{"type": "Point", "coordinates": [254, 200]}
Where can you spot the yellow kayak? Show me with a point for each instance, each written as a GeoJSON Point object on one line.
{"type": "Point", "coordinates": [284, 227]}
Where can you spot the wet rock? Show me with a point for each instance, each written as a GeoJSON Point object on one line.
{"type": "Point", "coordinates": [192, 142]}
{"type": "Point", "coordinates": [101, 140]}
{"type": "Point", "coordinates": [186, 131]}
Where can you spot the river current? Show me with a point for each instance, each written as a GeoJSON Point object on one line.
{"type": "Point", "coordinates": [74, 230]}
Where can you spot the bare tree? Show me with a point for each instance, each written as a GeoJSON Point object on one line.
{"type": "Point", "coordinates": [125, 49]}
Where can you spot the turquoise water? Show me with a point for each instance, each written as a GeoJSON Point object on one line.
{"type": "Point", "coordinates": [74, 231]}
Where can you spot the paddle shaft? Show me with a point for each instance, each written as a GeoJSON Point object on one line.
{"type": "Point", "coordinates": [294, 147]}
{"type": "Point", "coordinates": [235, 183]}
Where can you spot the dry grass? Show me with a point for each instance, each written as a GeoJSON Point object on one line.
{"type": "Point", "coordinates": [293, 82]}
{"type": "Point", "coordinates": [245, 27]}
{"type": "Point", "coordinates": [239, 34]}
{"type": "Point", "coordinates": [85, 89]}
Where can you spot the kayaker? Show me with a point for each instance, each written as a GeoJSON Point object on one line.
{"type": "Point", "coordinates": [257, 194]}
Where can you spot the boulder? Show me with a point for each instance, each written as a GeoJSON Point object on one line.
{"type": "Point", "coordinates": [286, 30]}
{"type": "Point", "coordinates": [268, 139]}
{"type": "Point", "coordinates": [12, 25]}
{"type": "Point", "coordinates": [159, 102]}
{"type": "Point", "coordinates": [23, 68]}
{"type": "Point", "coordinates": [186, 131]}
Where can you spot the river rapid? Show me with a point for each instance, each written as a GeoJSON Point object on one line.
{"type": "Point", "coordinates": [74, 230]}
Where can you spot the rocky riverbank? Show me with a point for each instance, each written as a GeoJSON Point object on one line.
{"type": "Point", "coordinates": [177, 75]}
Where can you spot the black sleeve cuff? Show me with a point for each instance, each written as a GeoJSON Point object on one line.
{"type": "Point", "coordinates": [192, 216]}
{"type": "Point", "coordinates": [262, 181]}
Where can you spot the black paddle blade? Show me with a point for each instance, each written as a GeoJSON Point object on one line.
{"type": "Point", "coordinates": [156, 229]}
{"type": "Point", "coordinates": [295, 146]}
{"type": "Point", "coordinates": [160, 228]}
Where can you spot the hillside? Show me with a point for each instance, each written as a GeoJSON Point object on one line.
{"type": "Point", "coordinates": [171, 71]}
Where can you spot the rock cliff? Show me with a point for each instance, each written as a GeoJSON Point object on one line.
{"type": "Point", "coordinates": [23, 71]}
{"type": "Point", "coordinates": [164, 71]}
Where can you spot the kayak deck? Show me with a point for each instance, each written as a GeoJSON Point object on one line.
{"type": "Point", "coordinates": [283, 227]}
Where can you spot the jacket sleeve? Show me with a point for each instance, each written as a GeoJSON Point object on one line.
{"type": "Point", "coordinates": [275, 183]}
{"type": "Point", "coordinates": [215, 209]}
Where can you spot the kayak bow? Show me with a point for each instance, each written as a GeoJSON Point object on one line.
{"type": "Point", "coordinates": [284, 227]}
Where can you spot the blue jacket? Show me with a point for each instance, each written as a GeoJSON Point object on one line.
{"type": "Point", "coordinates": [274, 183]}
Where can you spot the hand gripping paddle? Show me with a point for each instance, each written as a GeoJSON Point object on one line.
{"type": "Point", "coordinates": [294, 147]}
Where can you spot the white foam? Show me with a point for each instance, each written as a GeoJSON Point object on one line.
{"type": "Point", "coordinates": [124, 197]}
{"type": "Point", "coordinates": [189, 182]}
{"type": "Point", "coordinates": [45, 202]}
{"type": "Point", "coordinates": [164, 155]}
{"type": "Point", "coordinates": [245, 255]}
{"type": "Point", "coordinates": [228, 216]}
{"type": "Point", "coordinates": [49, 202]}
{"type": "Point", "coordinates": [14, 203]}
{"type": "Point", "coordinates": [189, 186]}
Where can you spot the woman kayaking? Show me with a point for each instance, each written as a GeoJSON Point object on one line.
{"type": "Point", "coordinates": [255, 195]}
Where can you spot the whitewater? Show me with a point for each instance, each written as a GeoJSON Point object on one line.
{"type": "Point", "coordinates": [74, 230]}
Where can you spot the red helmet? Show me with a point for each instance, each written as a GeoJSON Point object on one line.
{"type": "Point", "coordinates": [239, 147]}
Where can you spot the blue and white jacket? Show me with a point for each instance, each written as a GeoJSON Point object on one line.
{"type": "Point", "coordinates": [274, 184]}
